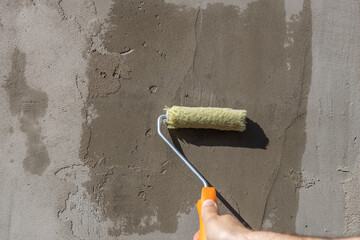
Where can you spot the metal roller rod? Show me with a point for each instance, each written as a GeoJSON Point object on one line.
{"type": "Point", "coordinates": [202, 179]}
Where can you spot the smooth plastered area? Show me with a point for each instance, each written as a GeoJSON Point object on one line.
{"type": "Point", "coordinates": [83, 82]}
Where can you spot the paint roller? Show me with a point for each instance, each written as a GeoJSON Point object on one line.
{"type": "Point", "coordinates": [226, 119]}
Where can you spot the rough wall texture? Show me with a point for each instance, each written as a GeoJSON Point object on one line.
{"type": "Point", "coordinates": [82, 83]}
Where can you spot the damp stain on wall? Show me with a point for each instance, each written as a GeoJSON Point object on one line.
{"type": "Point", "coordinates": [28, 105]}
{"type": "Point", "coordinates": [162, 54]}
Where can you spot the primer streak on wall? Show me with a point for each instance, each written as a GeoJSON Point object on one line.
{"type": "Point", "coordinates": [129, 175]}
{"type": "Point", "coordinates": [282, 201]}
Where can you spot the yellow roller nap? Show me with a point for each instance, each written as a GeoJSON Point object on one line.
{"type": "Point", "coordinates": [206, 117]}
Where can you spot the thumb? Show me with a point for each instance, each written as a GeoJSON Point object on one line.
{"type": "Point", "coordinates": [209, 210]}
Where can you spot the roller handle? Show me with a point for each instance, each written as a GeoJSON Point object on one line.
{"type": "Point", "coordinates": [206, 194]}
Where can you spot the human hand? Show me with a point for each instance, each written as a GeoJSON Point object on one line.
{"type": "Point", "coordinates": [221, 227]}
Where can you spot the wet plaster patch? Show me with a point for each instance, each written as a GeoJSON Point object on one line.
{"type": "Point", "coordinates": [282, 202]}
{"type": "Point", "coordinates": [29, 105]}
{"type": "Point", "coordinates": [127, 178]}
{"type": "Point", "coordinates": [197, 57]}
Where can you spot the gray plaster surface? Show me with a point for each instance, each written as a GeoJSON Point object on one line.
{"type": "Point", "coordinates": [82, 83]}
{"type": "Point", "coordinates": [331, 155]}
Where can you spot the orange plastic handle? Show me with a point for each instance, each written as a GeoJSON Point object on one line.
{"type": "Point", "coordinates": [206, 193]}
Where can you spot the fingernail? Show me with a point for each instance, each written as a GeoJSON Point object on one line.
{"type": "Point", "coordinates": [209, 203]}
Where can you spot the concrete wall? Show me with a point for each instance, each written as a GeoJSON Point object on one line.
{"type": "Point", "coordinates": [82, 83]}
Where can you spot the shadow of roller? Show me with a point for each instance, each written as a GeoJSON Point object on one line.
{"type": "Point", "coordinates": [252, 137]}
